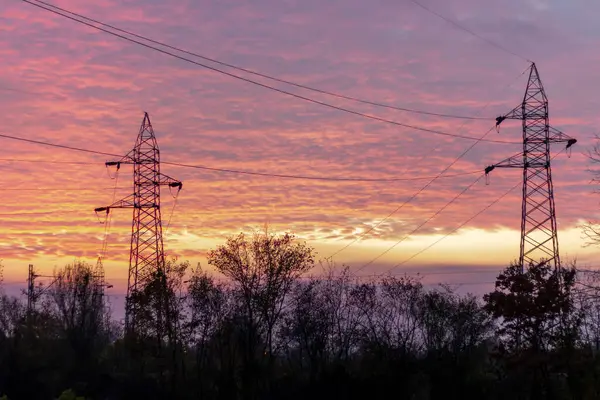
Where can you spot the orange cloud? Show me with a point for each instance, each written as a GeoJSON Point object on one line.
{"type": "Point", "coordinates": [71, 85]}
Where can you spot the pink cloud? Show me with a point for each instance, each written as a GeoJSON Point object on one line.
{"type": "Point", "coordinates": [87, 89]}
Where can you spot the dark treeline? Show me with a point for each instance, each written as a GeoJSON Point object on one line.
{"type": "Point", "coordinates": [269, 334]}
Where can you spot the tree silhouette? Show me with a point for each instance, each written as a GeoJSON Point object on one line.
{"type": "Point", "coordinates": [537, 318]}
{"type": "Point", "coordinates": [263, 269]}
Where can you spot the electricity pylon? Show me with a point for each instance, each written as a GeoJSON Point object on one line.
{"type": "Point", "coordinates": [99, 279]}
{"type": "Point", "coordinates": [539, 239]}
{"type": "Point", "coordinates": [31, 295]}
{"type": "Point", "coordinates": [146, 256]}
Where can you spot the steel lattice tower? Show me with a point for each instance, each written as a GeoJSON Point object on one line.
{"type": "Point", "coordinates": [539, 239]}
{"type": "Point", "coordinates": [31, 295]}
{"type": "Point", "coordinates": [147, 252]}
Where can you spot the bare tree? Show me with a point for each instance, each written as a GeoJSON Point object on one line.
{"type": "Point", "coordinates": [365, 300]}
{"type": "Point", "coordinates": [158, 305]}
{"type": "Point", "coordinates": [399, 312]}
{"type": "Point", "coordinates": [307, 328]}
{"type": "Point", "coordinates": [263, 269]}
{"type": "Point", "coordinates": [591, 230]}
{"type": "Point", "coordinates": [344, 318]}
{"type": "Point", "coordinates": [587, 300]}
{"type": "Point", "coordinates": [209, 307]}
{"type": "Point", "coordinates": [435, 309]}
{"type": "Point", "coordinates": [78, 298]}
{"type": "Point", "coordinates": [12, 315]}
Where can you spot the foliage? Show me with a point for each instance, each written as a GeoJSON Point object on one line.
{"type": "Point", "coordinates": [268, 332]}
{"type": "Point", "coordinates": [591, 230]}
{"type": "Point", "coordinates": [264, 269]}
{"type": "Point", "coordinates": [69, 394]}
{"type": "Point", "coordinates": [77, 295]}
{"type": "Point", "coordinates": [536, 307]}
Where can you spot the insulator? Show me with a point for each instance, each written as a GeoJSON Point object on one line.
{"type": "Point", "coordinates": [178, 185]}
{"type": "Point", "coordinates": [111, 164]}
{"type": "Point", "coordinates": [499, 120]}
{"type": "Point", "coordinates": [100, 209]}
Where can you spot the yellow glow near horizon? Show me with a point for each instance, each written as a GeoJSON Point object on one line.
{"type": "Point", "coordinates": [468, 248]}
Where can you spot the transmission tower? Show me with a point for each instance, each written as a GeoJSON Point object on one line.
{"type": "Point", "coordinates": [539, 240]}
{"type": "Point", "coordinates": [31, 294]}
{"type": "Point", "coordinates": [99, 279]}
{"type": "Point", "coordinates": [147, 253]}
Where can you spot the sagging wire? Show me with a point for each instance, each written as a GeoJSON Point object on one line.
{"type": "Point", "coordinates": [171, 215]}
{"type": "Point", "coordinates": [118, 164]}
{"type": "Point", "coordinates": [179, 185]}
{"type": "Point", "coordinates": [116, 179]}
{"type": "Point", "coordinates": [108, 219]}
{"type": "Point", "coordinates": [100, 221]}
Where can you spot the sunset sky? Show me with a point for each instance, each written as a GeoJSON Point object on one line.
{"type": "Point", "coordinates": [69, 84]}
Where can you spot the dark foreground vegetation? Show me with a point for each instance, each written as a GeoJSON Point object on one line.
{"type": "Point", "coordinates": [269, 334]}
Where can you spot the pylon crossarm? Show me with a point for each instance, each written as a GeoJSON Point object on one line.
{"type": "Point", "coordinates": [127, 202]}
{"type": "Point", "coordinates": [126, 159]}
{"type": "Point", "coordinates": [557, 136]}
{"type": "Point", "coordinates": [165, 180]}
{"type": "Point", "coordinates": [515, 161]}
{"type": "Point", "coordinates": [109, 164]}
{"type": "Point", "coordinates": [515, 113]}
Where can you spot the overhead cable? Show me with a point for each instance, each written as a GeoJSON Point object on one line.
{"type": "Point", "coordinates": [455, 229]}
{"type": "Point", "coordinates": [439, 175]}
{"type": "Point", "coordinates": [471, 32]}
{"type": "Point", "coordinates": [233, 171]}
{"type": "Point", "coordinates": [401, 206]}
{"type": "Point", "coordinates": [486, 208]}
{"type": "Point", "coordinates": [262, 75]}
{"type": "Point", "coordinates": [285, 92]}
{"type": "Point", "coordinates": [438, 212]}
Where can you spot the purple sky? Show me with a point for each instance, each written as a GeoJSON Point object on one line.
{"type": "Point", "coordinates": [69, 84]}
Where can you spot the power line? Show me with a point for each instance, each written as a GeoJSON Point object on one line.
{"type": "Point", "coordinates": [62, 211]}
{"type": "Point", "coordinates": [243, 172]}
{"type": "Point", "coordinates": [438, 212]}
{"type": "Point", "coordinates": [285, 92]}
{"type": "Point", "coordinates": [235, 171]}
{"type": "Point", "coordinates": [49, 161]}
{"type": "Point", "coordinates": [401, 206]}
{"type": "Point", "coordinates": [469, 31]}
{"type": "Point", "coordinates": [456, 229]}
{"type": "Point", "coordinates": [422, 274]}
{"type": "Point", "coordinates": [54, 189]}
{"type": "Point", "coordinates": [469, 283]}
{"type": "Point", "coordinates": [354, 278]}
{"type": "Point", "coordinates": [8, 89]}
{"type": "Point", "coordinates": [60, 146]}
{"type": "Point", "coordinates": [270, 77]}
{"type": "Point", "coordinates": [464, 223]}
{"type": "Point", "coordinates": [426, 186]}
{"type": "Point", "coordinates": [337, 179]}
